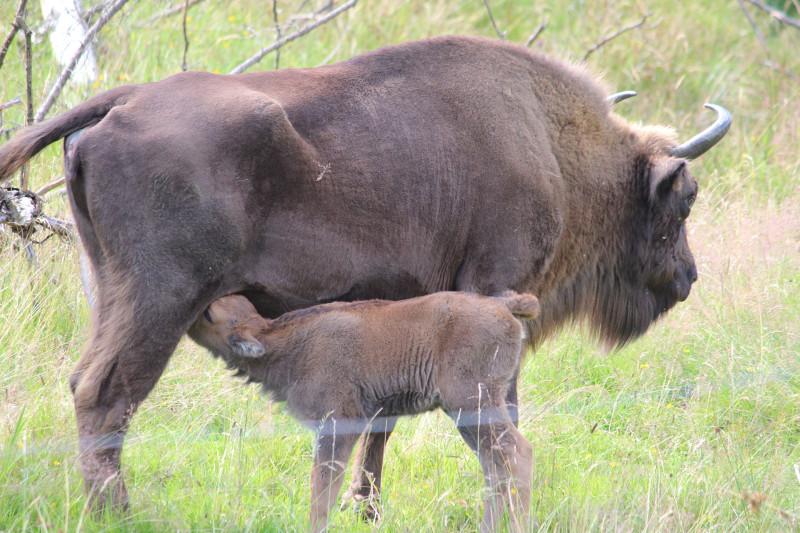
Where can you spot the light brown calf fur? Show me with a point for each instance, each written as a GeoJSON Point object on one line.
{"type": "Point", "coordinates": [343, 367]}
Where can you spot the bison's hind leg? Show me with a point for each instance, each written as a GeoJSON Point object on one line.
{"type": "Point", "coordinates": [505, 456]}
{"type": "Point", "coordinates": [364, 493]}
{"type": "Point", "coordinates": [480, 413]}
{"type": "Point", "coordinates": [129, 348]}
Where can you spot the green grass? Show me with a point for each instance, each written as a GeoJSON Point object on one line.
{"type": "Point", "coordinates": [677, 432]}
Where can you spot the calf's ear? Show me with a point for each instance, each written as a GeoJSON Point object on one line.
{"type": "Point", "coordinates": [665, 177]}
{"type": "Point", "coordinates": [245, 347]}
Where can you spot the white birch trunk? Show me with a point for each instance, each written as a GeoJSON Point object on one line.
{"type": "Point", "coordinates": [67, 33]}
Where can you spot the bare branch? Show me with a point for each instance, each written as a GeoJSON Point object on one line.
{"type": "Point", "coordinates": [614, 35]}
{"type": "Point", "coordinates": [761, 39]}
{"type": "Point", "coordinates": [755, 28]}
{"type": "Point", "coordinates": [88, 14]}
{"type": "Point", "coordinates": [500, 34]}
{"type": "Point", "coordinates": [776, 14]}
{"type": "Point", "coordinates": [185, 36]}
{"type": "Point", "coordinates": [11, 103]}
{"type": "Point", "coordinates": [52, 185]}
{"type": "Point", "coordinates": [291, 37]}
{"type": "Point", "coordinates": [535, 35]}
{"type": "Point", "coordinates": [277, 31]}
{"type": "Point", "coordinates": [67, 72]}
{"type": "Point", "coordinates": [23, 27]}
{"type": "Point", "coordinates": [30, 253]}
{"type": "Point", "coordinates": [169, 12]}
{"type": "Point", "coordinates": [14, 28]}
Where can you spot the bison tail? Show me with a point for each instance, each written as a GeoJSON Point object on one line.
{"type": "Point", "coordinates": [33, 139]}
{"type": "Point", "coordinates": [525, 306]}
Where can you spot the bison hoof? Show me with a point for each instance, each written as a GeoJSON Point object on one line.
{"type": "Point", "coordinates": [367, 507]}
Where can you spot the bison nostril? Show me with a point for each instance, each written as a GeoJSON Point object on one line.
{"type": "Point", "coordinates": [692, 274]}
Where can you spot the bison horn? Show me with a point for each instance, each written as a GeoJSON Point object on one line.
{"type": "Point", "coordinates": [618, 97]}
{"type": "Point", "coordinates": [700, 143]}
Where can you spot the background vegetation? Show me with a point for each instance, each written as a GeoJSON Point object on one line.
{"type": "Point", "coordinates": [693, 428]}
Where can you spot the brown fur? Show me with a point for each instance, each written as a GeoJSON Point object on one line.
{"type": "Point", "coordinates": [341, 366]}
{"type": "Point", "coordinates": [452, 163]}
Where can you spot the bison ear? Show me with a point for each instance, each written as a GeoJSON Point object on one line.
{"type": "Point", "coordinates": [249, 347]}
{"type": "Point", "coordinates": [664, 177]}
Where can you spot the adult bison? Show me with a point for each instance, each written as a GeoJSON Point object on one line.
{"type": "Point", "coordinates": [453, 163]}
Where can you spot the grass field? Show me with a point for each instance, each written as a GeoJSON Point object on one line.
{"type": "Point", "coordinates": [695, 427]}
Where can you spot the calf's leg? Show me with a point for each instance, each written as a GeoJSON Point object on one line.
{"type": "Point", "coordinates": [330, 460]}
{"type": "Point", "coordinates": [365, 488]}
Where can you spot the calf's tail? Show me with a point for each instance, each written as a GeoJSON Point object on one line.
{"type": "Point", "coordinates": [33, 139]}
{"type": "Point", "coordinates": [525, 306]}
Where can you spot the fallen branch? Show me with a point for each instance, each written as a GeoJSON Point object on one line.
{"type": "Point", "coordinates": [14, 28]}
{"type": "Point", "coordinates": [536, 34]}
{"type": "Point", "coordinates": [291, 37]}
{"type": "Point", "coordinates": [500, 34]}
{"type": "Point", "coordinates": [23, 213]}
{"type": "Point", "coordinates": [614, 35]}
{"type": "Point", "coordinates": [67, 72]}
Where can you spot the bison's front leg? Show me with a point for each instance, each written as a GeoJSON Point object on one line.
{"type": "Point", "coordinates": [330, 460]}
{"type": "Point", "coordinates": [126, 355]}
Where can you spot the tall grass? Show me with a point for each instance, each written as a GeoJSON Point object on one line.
{"type": "Point", "coordinates": [693, 428]}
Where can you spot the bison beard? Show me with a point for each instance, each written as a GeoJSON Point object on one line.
{"type": "Point", "coordinates": [453, 163]}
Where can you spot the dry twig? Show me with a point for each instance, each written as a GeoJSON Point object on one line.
{"type": "Point", "coordinates": [14, 28]}
{"type": "Point", "coordinates": [776, 14]}
{"type": "Point", "coordinates": [52, 185]}
{"type": "Point", "coordinates": [500, 34]}
{"type": "Point", "coordinates": [335, 48]}
{"type": "Point", "coordinates": [169, 12]}
{"type": "Point", "coordinates": [614, 35]}
{"type": "Point", "coordinates": [535, 35]}
{"type": "Point", "coordinates": [755, 28]}
{"type": "Point", "coordinates": [23, 26]}
{"type": "Point", "coordinates": [760, 36]}
{"type": "Point", "coordinates": [185, 36]}
{"type": "Point", "coordinates": [277, 31]}
{"type": "Point", "coordinates": [67, 72]}
{"type": "Point", "coordinates": [291, 37]}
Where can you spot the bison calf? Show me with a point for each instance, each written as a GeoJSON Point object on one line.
{"type": "Point", "coordinates": [340, 366]}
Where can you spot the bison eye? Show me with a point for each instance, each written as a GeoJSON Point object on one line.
{"type": "Point", "coordinates": [207, 316]}
{"type": "Point", "coordinates": [690, 200]}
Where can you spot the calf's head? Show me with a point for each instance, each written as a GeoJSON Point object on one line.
{"type": "Point", "coordinates": [227, 328]}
